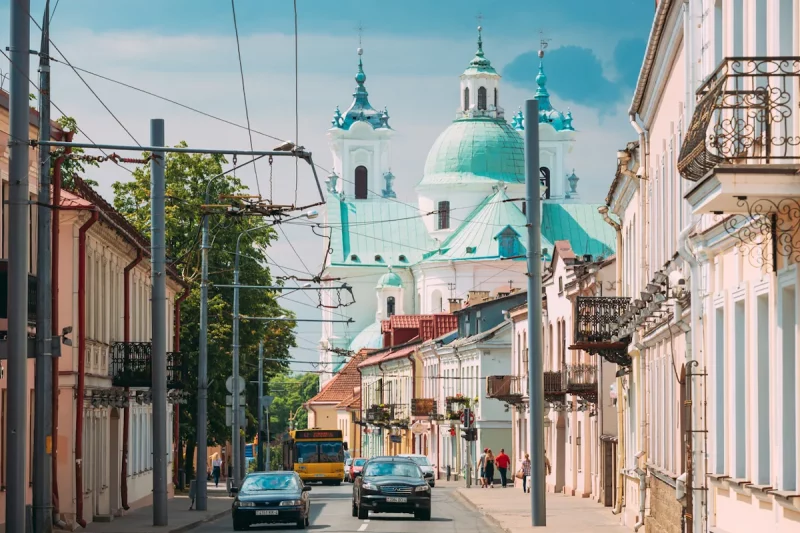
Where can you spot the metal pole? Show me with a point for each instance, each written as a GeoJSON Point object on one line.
{"type": "Point", "coordinates": [159, 317]}
{"type": "Point", "coordinates": [260, 458]}
{"type": "Point", "coordinates": [237, 475]}
{"type": "Point", "coordinates": [167, 149]}
{"type": "Point", "coordinates": [18, 220]}
{"type": "Point", "coordinates": [266, 455]}
{"type": "Point", "coordinates": [43, 427]}
{"type": "Point", "coordinates": [201, 499]}
{"type": "Point", "coordinates": [535, 368]}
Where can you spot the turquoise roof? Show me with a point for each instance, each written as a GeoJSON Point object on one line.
{"type": "Point", "coordinates": [476, 238]}
{"type": "Point", "coordinates": [547, 114]}
{"type": "Point", "coordinates": [581, 225]}
{"type": "Point", "coordinates": [371, 231]}
{"type": "Point", "coordinates": [360, 110]}
{"type": "Point", "coordinates": [371, 337]}
{"type": "Point", "coordinates": [480, 64]}
{"type": "Point", "coordinates": [474, 150]}
{"type": "Point", "coordinates": [390, 279]}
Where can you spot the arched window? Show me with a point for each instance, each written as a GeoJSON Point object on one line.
{"type": "Point", "coordinates": [508, 240]}
{"type": "Point", "coordinates": [361, 182]}
{"type": "Point", "coordinates": [389, 306]}
{"type": "Point", "coordinates": [495, 97]}
{"type": "Point", "coordinates": [444, 215]}
{"type": "Point", "coordinates": [482, 98]}
{"type": "Point", "coordinates": [466, 98]}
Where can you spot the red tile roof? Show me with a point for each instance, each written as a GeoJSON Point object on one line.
{"type": "Point", "coordinates": [353, 402]}
{"type": "Point", "coordinates": [341, 386]}
{"type": "Point", "coordinates": [390, 355]}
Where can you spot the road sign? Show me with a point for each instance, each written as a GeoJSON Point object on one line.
{"type": "Point", "coordinates": [229, 417]}
{"type": "Point", "coordinates": [229, 384]}
{"type": "Point", "coordinates": [266, 401]}
{"type": "Point", "coordinates": [467, 418]}
{"type": "Point", "coordinates": [229, 400]}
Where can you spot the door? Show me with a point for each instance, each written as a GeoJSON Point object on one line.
{"type": "Point", "coordinates": [608, 473]}
{"type": "Point", "coordinates": [561, 451]}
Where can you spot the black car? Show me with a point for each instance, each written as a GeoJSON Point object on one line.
{"type": "Point", "coordinates": [271, 498]}
{"type": "Point", "coordinates": [391, 485]}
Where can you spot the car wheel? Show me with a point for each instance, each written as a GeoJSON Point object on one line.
{"type": "Point", "coordinates": [363, 513]}
{"type": "Point", "coordinates": [355, 509]}
{"type": "Point", "coordinates": [302, 523]}
{"type": "Point", "coordinates": [423, 515]}
{"type": "Point", "coordinates": [338, 483]}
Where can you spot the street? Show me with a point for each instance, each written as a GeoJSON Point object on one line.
{"type": "Point", "coordinates": [330, 511]}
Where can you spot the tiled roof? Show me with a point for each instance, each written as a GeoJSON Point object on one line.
{"type": "Point", "coordinates": [429, 326]}
{"type": "Point", "coordinates": [486, 335]}
{"type": "Point", "coordinates": [581, 225]}
{"type": "Point", "coordinates": [353, 402]}
{"type": "Point", "coordinates": [382, 357]}
{"type": "Point", "coordinates": [341, 386]}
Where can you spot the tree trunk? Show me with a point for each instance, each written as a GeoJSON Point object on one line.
{"type": "Point", "coordinates": [191, 444]}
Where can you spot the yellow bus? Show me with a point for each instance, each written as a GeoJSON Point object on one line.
{"type": "Point", "coordinates": [315, 454]}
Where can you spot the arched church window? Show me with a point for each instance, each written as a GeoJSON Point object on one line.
{"type": "Point", "coordinates": [361, 182]}
{"type": "Point", "coordinates": [482, 98]}
{"type": "Point", "coordinates": [389, 306]}
{"type": "Point", "coordinates": [444, 215]}
{"type": "Point", "coordinates": [495, 97]}
{"type": "Point", "coordinates": [466, 98]}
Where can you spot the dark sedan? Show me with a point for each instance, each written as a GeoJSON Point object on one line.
{"type": "Point", "coordinates": [271, 498]}
{"type": "Point", "coordinates": [391, 485]}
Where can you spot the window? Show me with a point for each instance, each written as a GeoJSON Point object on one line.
{"type": "Point", "coordinates": [495, 97]}
{"type": "Point", "coordinates": [719, 396]}
{"type": "Point", "coordinates": [763, 388]}
{"type": "Point", "coordinates": [788, 389]}
{"type": "Point", "coordinates": [482, 99]}
{"type": "Point", "coordinates": [389, 306]}
{"type": "Point", "coordinates": [361, 182]}
{"type": "Point", "coordinates": [740, 384]}
{"type": "Point", "coordinates": [509, 243]}
{"type": "Point", "coordinates": [444, 215]}
{"type": "Point", "coordinates": [466, 98]}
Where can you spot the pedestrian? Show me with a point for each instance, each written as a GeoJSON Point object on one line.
{"type": "Point", "coordinates": [503, 461]}
{"type": "Point", "coordinates": [547, 467]}
{"type": "Point", "coordinates": [488, 468]}
{"type": "Point", "coordinates": [216, 469]}
{"type": "Point", "coordinates": [526, 472]}
{"type": "Point", "coordinates": [481, 468]}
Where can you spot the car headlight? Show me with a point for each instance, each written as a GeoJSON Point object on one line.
{"type": "Point", "coordinates": [247, 504]}
{"type": "Point", "coordinates": [291, 503]}
{"type": "Point", "coordinates": [369, 486]}
{"type": "Point", "coordinates": [423, 488]}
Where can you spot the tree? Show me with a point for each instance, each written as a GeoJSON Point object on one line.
{"type": "Point", "coordinates": [291, 392]}
{"type": "Point", "coordinates": [186, 178]}
{"type": "Point", "coordinates": [70, 167]}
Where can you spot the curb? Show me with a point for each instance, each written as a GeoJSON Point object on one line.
{"type": "Point", "coordinates": [488, 516]}
{"type": "Point", "coordinates": [195, 525]}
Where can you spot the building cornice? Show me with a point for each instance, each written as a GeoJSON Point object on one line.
{"type": "Point", "coordinates": [653, 42]}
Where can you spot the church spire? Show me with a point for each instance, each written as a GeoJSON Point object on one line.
{"type": "Point", "coordinates": [361, 110]}
{"type": "Point", "coordinates": [480, 63]}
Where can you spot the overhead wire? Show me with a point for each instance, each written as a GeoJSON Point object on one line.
{"type": "Point", "coordinates": [244, 92]}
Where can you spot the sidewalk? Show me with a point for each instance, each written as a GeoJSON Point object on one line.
{"type": "Point", "coordinates": [180, 517]}
{"type": "Point", "coordinates": [510, 509]}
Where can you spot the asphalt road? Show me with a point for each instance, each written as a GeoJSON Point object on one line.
{"type": "Point", "coordinates": [331, 513]}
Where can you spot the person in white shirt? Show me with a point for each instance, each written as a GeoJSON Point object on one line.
{"type": "Point", "coordinates": [216, 469]}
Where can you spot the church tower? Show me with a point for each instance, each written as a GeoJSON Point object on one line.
{"type": "Point", "coordinates": [359, 141]}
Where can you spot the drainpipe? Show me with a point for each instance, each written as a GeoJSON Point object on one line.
{"type": "Point", "coordinates": [55, 323]}
{"type": "Point", "coordinates": [642, 494]}
{"type": "Point", "coordinates": [81, 366]}
{"type": "Point", "coordinates": [438, 426]}
{"type": "Point", "coordinates": [413, 361]}
{"type": "Point", "coordinates": [696, 507]}
{"type": "Point", "coordinates": [126, 325]}
{"type": "Point", "coordinates": [644, 147]}
{"type": "Point", "coordinates": [176, 408]}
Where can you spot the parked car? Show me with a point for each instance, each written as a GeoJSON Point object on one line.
{"type": "Point", "coordinates": [356, 467]}
{"type": "Point", "coordinates": [424, 465]}
{"type": "Point", "coordinates": [271, 498]}
{"type": "Point", "coordinates": [347, 464]}
{"type": "Point", "coordinates": [391, 485]}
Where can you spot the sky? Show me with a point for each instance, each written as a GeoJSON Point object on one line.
{"type": "Point", "coordinates": [414, 51]}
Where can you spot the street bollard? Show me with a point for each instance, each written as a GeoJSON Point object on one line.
{"type": "Point", "coordinates": [448, 472]}
{"type": "Point", "coordinates": [192, 493]}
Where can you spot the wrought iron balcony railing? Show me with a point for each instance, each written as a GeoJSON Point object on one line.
{"type": "Point", "coordinates": [421, 407]}
{"type": "Point", "coordinates": [582, 381]}
{"type": "Point", "coordinates": [504, 388]}
{"type": "Point", "coordinates": [597, 318]}
{"type": "Point", "coordinates": [379, 414]}
{"type": "Point", "coordinates": [743, 116]}
{"type": "Point", "coordinates": [131, 365]}
{"type": "Point", "coordinates": [555, 385]}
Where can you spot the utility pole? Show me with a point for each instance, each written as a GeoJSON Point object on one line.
{"type": "Point", "coordinates": [260, 457]}
{"type": "Point", "coordinates": [18, 246]}
{"type": "Point", "coordinates": [43, 421]}
{"type": "Point", "coordinates": [533, 201]}
{"type": "Point", "coordinates": [235, 432]}
{"type": "Point", "coordinates": [158, 274]}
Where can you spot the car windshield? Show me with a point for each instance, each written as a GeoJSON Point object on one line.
{"type": "Point", "coordinates": [421, 461]}
{"type": "Point", "coordinates": [360, 462]}
{"type": "Point", "coordinates": [270, 482]}
{"type": "Point", "coordinates": [404, 469]}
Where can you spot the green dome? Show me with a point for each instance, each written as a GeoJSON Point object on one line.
{"type": "Point", "coordinates": [390, 279]}
{"type": "Point", "coordinates": [371, 337]}
{"type": "Point", "coordinates": [474, 150]}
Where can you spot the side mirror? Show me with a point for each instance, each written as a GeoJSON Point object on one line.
{"type": "Point", "coordinates": [306, 488]}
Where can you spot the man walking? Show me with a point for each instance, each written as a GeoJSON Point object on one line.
{"type": "Point", "coordinates": [503, 461]}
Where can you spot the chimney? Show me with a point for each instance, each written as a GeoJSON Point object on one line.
{"type": "Point", "coordinates": [455, 304]}
{"type": "Point", "coordinates": [474, 297]}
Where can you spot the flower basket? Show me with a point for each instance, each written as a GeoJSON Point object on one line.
{"type": "Point", "coordinates": [453, 415]}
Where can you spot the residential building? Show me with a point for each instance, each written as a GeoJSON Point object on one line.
{"type": "Point", "coordinates": [336, 406]}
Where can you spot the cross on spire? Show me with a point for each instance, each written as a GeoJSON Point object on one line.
{"type": "Point", "coordinates": [543, 43]}
{"type": "Point", "coordinates": [360, 30]}
{"type": "Point", "coordinates": [479, 18]}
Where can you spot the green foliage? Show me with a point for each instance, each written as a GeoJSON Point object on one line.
{"type": "Point", "coordinates": [291, 392]}
{"type": "Point", "coordinates": [186, 178]}
{"type": "Point", "coordinates": [276, 458]}
{"type": "Point", "coordinates": [70, 167]}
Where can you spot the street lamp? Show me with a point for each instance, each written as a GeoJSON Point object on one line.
{"type": "Point", "coordinates": [237, 463]}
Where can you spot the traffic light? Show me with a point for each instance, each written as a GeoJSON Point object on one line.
{"type": "Point", "coordinates": [469, 434]}
{"type": "Point", "coordinates": [465, 433]}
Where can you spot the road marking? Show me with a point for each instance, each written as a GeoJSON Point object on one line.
{"type": "Point", "coordinates": [363, 527]}
{"type": "Point", "coordinates": [366, 520]}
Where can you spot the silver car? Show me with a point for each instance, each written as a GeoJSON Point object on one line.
{"type": "Point", "coordinates": [424, 465]}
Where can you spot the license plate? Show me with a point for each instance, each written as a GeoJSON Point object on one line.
{"type": "Point", "coordinates": [319, 475]}
{"type": "Point", "coordinates": [266, 513]}
{"type": "Point", "coordinates": [396, 500]}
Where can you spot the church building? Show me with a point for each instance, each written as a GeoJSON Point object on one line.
{"type": "Point", "coordinates": [466, 230]}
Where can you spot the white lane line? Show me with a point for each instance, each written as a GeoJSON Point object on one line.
{"type": "Point", "coordinates": [363, 527]}
{"type": "Point", "coordinates": [366, 520]}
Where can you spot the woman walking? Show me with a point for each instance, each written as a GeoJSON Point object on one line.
{"type": "Point", "coordinates": [526, 472]}
{"type": "Point", "coordinates": [488, 468]}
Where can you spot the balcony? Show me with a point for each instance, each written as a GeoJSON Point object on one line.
{"type": "Point", "coordinates": [379, 414]}
{"type": "Point", "coordinates": [742, 148]}
{"type": "Point", "coordinates": [131, 366]}
{"type": "Point", "coordinates": [555, 386]}
{"type": "Point", "coordinates": [424, 407]}
{"type": "Point", "coordinates": [504, 388]}
{"type": "Point", "coordinates": [597, 327]}
{"type": "Point", "coordinates": [582, 381]}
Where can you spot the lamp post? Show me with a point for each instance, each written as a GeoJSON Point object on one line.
{"type": "Point", "coordinates": [235, 433]}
